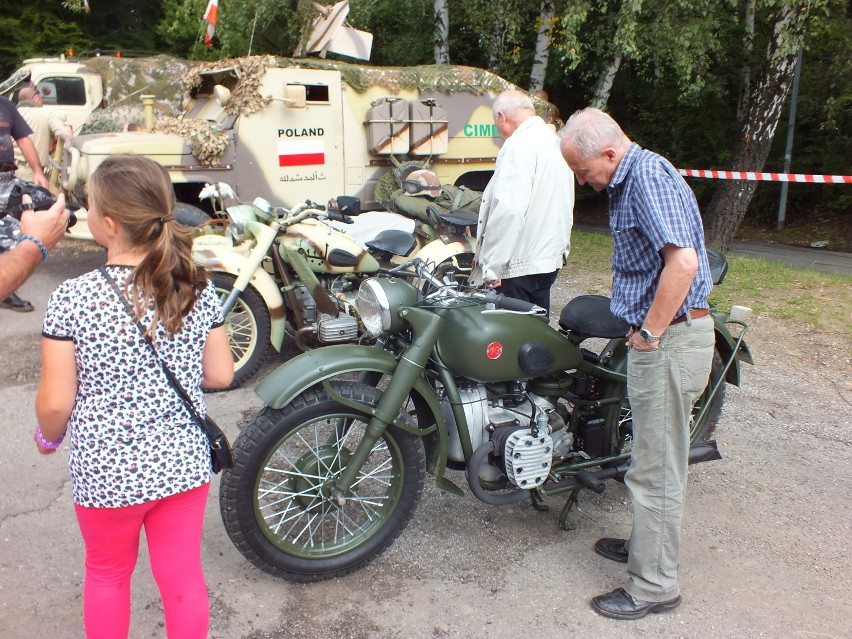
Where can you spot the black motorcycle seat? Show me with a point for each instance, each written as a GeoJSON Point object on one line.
{"type": "Point", "coordinates": [589, 316]}
{"type": "Point", "coordinates": [460, 217]}
{"type": "Point", "coordinates": [718, 265]}
{"type": "Point", "coordinates": [393, 242]}
{"type": "Point", "coordinates": [456, 217]}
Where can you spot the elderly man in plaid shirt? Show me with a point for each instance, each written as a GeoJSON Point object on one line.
{"type": "Point", "coordinates": [660, 283]}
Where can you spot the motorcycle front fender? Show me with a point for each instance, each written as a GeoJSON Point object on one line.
{"type": "Point", "coordinates": [308, 369]}
{"type": "Point", "coordinates": [437, 251]}
{"type": "Point", "coordinates": [228, 259]}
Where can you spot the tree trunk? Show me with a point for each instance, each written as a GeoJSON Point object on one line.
{"type": "Point", "coordinates": [730, 201]}
{"type": "Point", "coordinates": [442, 32]}
{"type": "Point", "coordinates": [601, 96]}
{"type": "Point", "coordinates": [542, 46]}
{"type": "Point", "coordinates": [497, 44]}
{"type": "Point", "coordinates": [748, 48]}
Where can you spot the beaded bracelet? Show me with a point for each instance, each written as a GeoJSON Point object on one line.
{"type": "Point", "coordinates": [44, 443]}
{"type": "Point", "coordinates": [37, 242]}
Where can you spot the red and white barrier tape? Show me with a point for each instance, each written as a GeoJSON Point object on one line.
{"type": "Point", "coordinates": [767, 177]}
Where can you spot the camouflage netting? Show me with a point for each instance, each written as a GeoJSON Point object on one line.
{"type": "Point", "coordinates": [245, 96]}
{"type": "Point", "coordinates": [126, 80]}
{"type": "Point", "coordinates": [445, 78]}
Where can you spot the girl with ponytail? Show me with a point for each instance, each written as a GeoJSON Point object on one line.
{"type": "Point", "coordinates": [137, 457]}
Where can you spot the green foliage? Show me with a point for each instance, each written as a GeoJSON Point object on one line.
{"type": "Point", "coordinates": [676, 90]}
{"type": "Point", "coordinates": [42, 27]}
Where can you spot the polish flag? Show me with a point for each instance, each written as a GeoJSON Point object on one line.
{"type": "Point", "coordinates": [210, 15]}
{"type": "Point", "coordinates": [301, 152]}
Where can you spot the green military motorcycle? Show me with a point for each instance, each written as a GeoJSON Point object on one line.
{"type": "Point", "coordinates": [329, 473]}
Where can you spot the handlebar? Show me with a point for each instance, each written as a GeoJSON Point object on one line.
{"type": "Point", "coordinates": [340, 217]}
{"type": "Point", "coordinates": [489, 296]}
{"type": "Point", "coordinates": [509, 303]}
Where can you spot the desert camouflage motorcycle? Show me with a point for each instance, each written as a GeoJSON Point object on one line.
{"type": "Point", "coordinates": [297, 271]}
{"type": "Point", "coordinates": [328, 474]}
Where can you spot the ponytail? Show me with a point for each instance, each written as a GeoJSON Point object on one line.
{"type": "Point", "coordinates": [137, 194]}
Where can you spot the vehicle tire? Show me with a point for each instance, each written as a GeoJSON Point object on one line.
{"type": "Point", "coordinates": [190, 215]}
{"type": "Point", "coordinates": [275, 502]}
{"type": "Point", "coordinates": [699, 432]}
{"type": "Point", "coordinates": [248, 327]}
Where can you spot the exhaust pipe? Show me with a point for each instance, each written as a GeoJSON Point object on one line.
{"type": "Point", "coordinates": [594, 480]}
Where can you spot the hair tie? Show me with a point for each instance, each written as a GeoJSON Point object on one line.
{"type": "Point", "coordinates": [167, 218]}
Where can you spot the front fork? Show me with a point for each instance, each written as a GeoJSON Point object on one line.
{"type": "Point", "coordinates": [264, 237]}
{"type": "Point", "coordinates": [410, 366]}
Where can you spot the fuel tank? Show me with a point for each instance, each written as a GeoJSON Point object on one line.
{"type": "Point", "coordinates": [327, 250]}
{"type": "Point", "coordinates": [495, 346]}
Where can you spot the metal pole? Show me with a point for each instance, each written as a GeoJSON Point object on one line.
{"type": "Point", "coordinates": [788, 154]}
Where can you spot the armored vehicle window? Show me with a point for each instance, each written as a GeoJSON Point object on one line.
{"type": "Point", "coordinates": [316, 93]}
{"type": "Point", "coordinates": [63, 91]}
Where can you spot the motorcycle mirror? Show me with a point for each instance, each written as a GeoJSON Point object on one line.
{"type": "Point", "coordinates": [349, 205]}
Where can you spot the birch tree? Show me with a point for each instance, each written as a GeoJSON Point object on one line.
{"type": "Point", "coordinates": [769, 92]}
{"type": "Point", "coordinates": [623, 43]}
{"type": "Point", "coordinates": [542, 46]}
{"type": "Point", "coordinates": [442, 32]}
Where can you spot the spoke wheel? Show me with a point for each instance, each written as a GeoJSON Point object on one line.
{"type": "Point", "coordinates": [248, 328]}
{"type": "Point", "coordinates": [699, 432]}
{"type": "Point", "coordinates": [278, 502]}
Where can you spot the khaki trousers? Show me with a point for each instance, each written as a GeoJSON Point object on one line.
{"type": "Point", "coordinates": [662, 385]}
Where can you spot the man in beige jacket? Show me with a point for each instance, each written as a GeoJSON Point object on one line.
{"type": "Point", "coordinates": [46, 125]}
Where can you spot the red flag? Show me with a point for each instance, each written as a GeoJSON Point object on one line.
{"type": "Point", "coordinates": [210, 15]}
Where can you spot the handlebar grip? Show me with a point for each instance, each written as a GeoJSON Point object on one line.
{"type": "Point", "coordinates": [339, 217]}
{"type": "Point", "coordinates": [514, 304]}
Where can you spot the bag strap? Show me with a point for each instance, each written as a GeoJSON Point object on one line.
{"type": "Point", "coordinates": [185, 398]}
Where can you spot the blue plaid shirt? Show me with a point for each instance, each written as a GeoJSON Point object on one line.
{"type": "Point", "coordinates": [651, 205]}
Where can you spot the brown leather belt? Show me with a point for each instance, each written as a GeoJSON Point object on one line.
{"type": "Point", "coordinates": [694, 313]}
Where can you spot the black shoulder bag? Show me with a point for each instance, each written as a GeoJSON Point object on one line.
{"type": "Point", "coordinates": [220, 449]}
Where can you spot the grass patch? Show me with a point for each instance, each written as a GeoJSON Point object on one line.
{"type": "Point", "coordinates": [769, 288]}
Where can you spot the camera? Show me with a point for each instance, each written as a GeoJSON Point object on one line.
{"type": "Point", "coordinates": [11, 199]}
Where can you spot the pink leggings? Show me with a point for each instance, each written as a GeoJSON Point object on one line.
{"type": "Point", "coordinates": [173, 529]}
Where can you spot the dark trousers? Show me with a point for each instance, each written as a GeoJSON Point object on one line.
{"type": "Point", "coordinates": [530, 288]}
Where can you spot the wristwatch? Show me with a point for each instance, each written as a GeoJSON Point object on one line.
{"type": "Point", "coordinates": [645, 334]}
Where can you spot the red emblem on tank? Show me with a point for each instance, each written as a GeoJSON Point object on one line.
{"type": "Point", "coordinates": [495, 350]}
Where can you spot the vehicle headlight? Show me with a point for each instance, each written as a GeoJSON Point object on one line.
{"type": "Point", "coordinates": [379, 301]}
{"type": "Point", "coordinates": [373, 307]}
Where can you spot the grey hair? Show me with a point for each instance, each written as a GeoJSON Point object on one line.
{"type": "Point", "coordinates": [510, 102]}
{"type": "Point", "coordinates": [591, 131]}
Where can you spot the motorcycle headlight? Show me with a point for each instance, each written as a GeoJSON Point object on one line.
{"type": "Point", "coordinates": [379, 301]}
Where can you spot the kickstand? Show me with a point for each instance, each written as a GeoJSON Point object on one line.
{"type": "Point", "coordinates": [538, 502]}
{"type": "Point", "coordinates": [566, 510]}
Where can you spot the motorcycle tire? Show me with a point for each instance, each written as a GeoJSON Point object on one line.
{"type": "Point", "coordinates": [248, 327]}
{"type": "Point", "coordinates": [276, 504]}
{"type": "Point", "coordinates": [701, 432]}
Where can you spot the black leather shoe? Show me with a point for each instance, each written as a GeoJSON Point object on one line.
{"type": "Point", "coordinates": [15, 303]}
{"type": "Point", "coordinates": [619, 604]}
{"type": "Point", "coordinates": [612, 549]}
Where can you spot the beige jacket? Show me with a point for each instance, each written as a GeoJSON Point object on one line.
{"type": "Point", "coordinates": [46, 125]}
